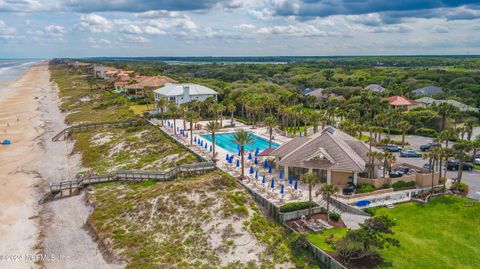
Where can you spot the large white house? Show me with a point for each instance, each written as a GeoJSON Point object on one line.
{"type": "Point", "coordinates": [184, 93]}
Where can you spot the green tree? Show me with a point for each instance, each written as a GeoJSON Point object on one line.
{"type": "Point", "coordinates": [328, 74]}
{"type": "Point", "coordinates": [460, 150]}
{"type": "Point", "coordinates": [444, 110]}
{"type": "Point", "coordinates": [231, 108]}
{"type": "Point", "coordinates": [162, 103]}
{"type": "Point", "coordinates": [213, 127]}
{"type": "Point", "coordinates": [327, 190]}
{"type": "Point", "coordinates": [433, 156]}
{"type": "Point", "coordinates": [311, 180]}
{"type": "Point", "coordinates": [173, 110]}
{"type": "Point", "coordinates": [192, 117]}
{"type": "Point", "coordinates": [404, 126]}
{"type": "Point", "coordinates": [243, 138]}
{"type": "Point", "coordinates": [271, 123]}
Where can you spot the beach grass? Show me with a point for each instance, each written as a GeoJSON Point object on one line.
{"type": "Point", "coordinates": [321, 239]}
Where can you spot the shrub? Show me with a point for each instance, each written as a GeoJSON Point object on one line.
{"type": "Point", "coordinates": [364, 187]}
{"type": "Point", "coordinates": [386, 186]}
{"type": "Point", "coordinates": [426, 132]}
{"type": "Point", "coordinates": [334, 216]}
{"type": "Point", "coordinates": [294, 206]}
{"type": "Point", "coordinates": [460, 188]}
{"type": "Point", "coordinates": [393, 131]}
{"type": "Point", "coordinates": [401, 185]}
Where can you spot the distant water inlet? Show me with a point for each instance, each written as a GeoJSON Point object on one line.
{"type": "Point", "coordinates": [227, 142]}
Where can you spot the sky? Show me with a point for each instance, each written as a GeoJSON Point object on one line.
{"type": "Point", "coordinates": [86, 28]}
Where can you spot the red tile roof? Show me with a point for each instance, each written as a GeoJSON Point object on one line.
{"type": "Point", "coordinates": [400, 101]}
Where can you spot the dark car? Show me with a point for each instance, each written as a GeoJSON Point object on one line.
{"type": "Point", "coordinates": [427, 166]}
{"type": "Point", "coordinates": [395, 174]}
{"type": "Point", "coordinates": [410, 153]}
{"type": "Point", "coordinates": [428, 146]}
{"type": "Point", "coordinates": [393, 148]}
{"type": "Point", "coordinates": [454, 165]}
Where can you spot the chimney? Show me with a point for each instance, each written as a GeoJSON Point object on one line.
{"type": "Point", "coordinates": [186, 93]}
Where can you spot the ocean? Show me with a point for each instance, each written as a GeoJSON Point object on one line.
{"type": "Point", "coordinates": [11, 69]}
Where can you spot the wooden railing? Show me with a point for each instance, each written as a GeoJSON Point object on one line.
{"type": "Point", "coordinates": [91, 126]}
{"type": "Point", "coordinates": [75, 186]}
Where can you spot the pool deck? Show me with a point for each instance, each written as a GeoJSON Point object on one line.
{"type": "Point", "coordinates": [274, 196]}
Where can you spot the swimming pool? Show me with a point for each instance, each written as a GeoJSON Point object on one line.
{"type": "Point", "coordinates": [227, 142]}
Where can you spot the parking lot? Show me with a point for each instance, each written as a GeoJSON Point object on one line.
{"type": "Point", "coordinates": [472, 178]}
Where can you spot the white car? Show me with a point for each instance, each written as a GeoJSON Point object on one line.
{"type": "Point", "coordinates": [477, 161]}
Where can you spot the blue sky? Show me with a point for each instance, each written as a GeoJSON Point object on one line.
{"type": "Point", "coordinates": [82, 28]}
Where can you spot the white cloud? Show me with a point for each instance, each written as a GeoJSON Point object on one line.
{"type": "Point", "coordinates": [94, 23]}
{"type": "Point", "coordinates": [134, 39]}
{"type": "Point", "coordinates": [440, 29]}
{"type": "Point", "coordinates": [263, 14]}
{"type": "Point", "coordinates": [6, 32]}
{"type": "Point", "coordinates": [300, 30]}
{"type": "Point", "coordinates": [245, 26]}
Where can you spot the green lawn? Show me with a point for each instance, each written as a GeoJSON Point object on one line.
{"type": "Point", "coordinates": [319, 238]}
{"type": "Point", "coordinates": [444, 233]}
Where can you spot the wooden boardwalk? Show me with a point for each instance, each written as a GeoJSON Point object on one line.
{"type": "Point", "coordinates": [91, 126]}
{"type": "Point", "coordinates": [73, 187]}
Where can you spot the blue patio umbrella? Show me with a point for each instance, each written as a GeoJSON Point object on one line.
{"type": "Point", "coordinates": [168, 123]}
{"type": "Point", "coordinates": [211, 148]}
{"type": "Point", "coordinates": [195, 139]}
{"type": "Point", "coordinates": [201, 143]}
{"type": "Point", "coordinates": [265, 164]}
{"type": "Point", "coordinates": [272, 184]}
{"type": "Point", "coordinates": [231, 158]}
{"type": "Point", "coordinates": [256, 161]}
{"type": "Point", "coordinates": [238, 163]}
{"type": "Point", "coordinates": [256, 174]}
{"type": "Point", "coordinates": [290, 181]}
{"type": "Point", "coordinates": [281, 175]}
{"type": "Point", "coordinates": [239, 152]}
{"type": "Point", "coordinates": [238, 146]}
{"type": "Point", "coordinates": [264, 180]}
{"type": "Point", "coordinates": [251, 170]}
{"type": "Point", "coordinates": [282, 191]}
{"type": "Point", "coordinates": [270, 169]}
{"type": "Point", "coordinates": [296, 185]}
{"type": "Point", "coordinates": [227, 158]}
{"type": "Point", "coordinates": [257, 151]}
{"type": "Point", "coordinates": [206, 145]}
{"type": "Point", "coordinates": [249, 155]}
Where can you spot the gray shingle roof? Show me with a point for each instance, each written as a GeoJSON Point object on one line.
{"type": "Point", "coordinates": [429, 90]}
{"type": "Point", "coordinates": [375, 88]}
{"type": "Point", "coordinates": [335, 150]}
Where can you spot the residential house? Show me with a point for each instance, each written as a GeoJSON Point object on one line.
{"type": "Point", "coordinates": [375, 88]}
{"type": "Point", "coordinates": [335, 156]}
{"type": "Point", "coordinates": [320, 94]}
{"type": "Point", "coordinates": [184, 93]}
{"type": "Point", "coordinates": [400, 102]}
{"type": "Point", "coordinates": [141, 85]}
{"type": "Point", "coordinates": [427, 101]}
{"type": "Point", "coordinates": [429, 90]}
{"type": "Point", "coordinates": [100, 71]}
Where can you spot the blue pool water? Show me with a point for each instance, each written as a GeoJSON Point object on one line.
{"type": "Point", "coordinates": [227, 142]}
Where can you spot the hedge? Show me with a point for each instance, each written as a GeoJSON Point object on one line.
{"type": "Point", "coordinates": [426, 132]}
{"type": "Point", "coordinates": [294, 206]}
{"type": "Point", "coordinates": [364, 187]}
{"type": "Point", "coordinates": [401, 185]}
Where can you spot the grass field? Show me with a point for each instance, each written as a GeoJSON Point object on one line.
{"type": "Point", "coordinates": [443, 233]}
{"type": "Point", "coordinates": [139, 109]}
{"type": "Point", "coordinates": [319, 239]}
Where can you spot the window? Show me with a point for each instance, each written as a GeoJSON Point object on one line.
{"type": "Point", "coordinates": [297, 172]}
{"type": "Point", "coordinates": [172, 98]}
{"type": "Point", "coordinates": [322, 174]}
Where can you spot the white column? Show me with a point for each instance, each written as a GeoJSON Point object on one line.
{"type": "Point", "coordinates": [355, 178]}
{"type": "Point", "coordinates": [329, 177]}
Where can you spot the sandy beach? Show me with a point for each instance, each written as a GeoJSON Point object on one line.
{"type": "Point", "coordinates": [51, 235]}
{"type": "Point", "coordinates": [20, 122]}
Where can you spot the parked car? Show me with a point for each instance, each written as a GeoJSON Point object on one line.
{"type": "Point", "coordinates": [427, 146]}
{"type": "Point", "coordinates": [427, 166]}
{"type": "Point", "coordinates": [410, 153]}
{"type": "Point", "coordinates": [393, 148]}
{"type": "Point", "coordinates": [454, 165]}
{"type": "Point", "coordinates": [477, 161]}
{"type": "Point", "coordinates": [395, 174]}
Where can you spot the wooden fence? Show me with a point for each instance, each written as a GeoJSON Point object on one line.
{"type": "Point", "coordinates": [325, 259]}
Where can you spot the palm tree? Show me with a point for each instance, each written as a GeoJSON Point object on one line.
{"type": "Point", "coordinates": [327, 190]}
{"type": "Point", "coordinates": [212, 127]}
{"type": "Point", "coordinates": [404, 126]}
{"type": "Point", "coordinates": [182, 109]}
{"type": "Point", "coordinates": [460, 150]}
{"type": "Point", "coordinates": [386, 158]}
{"type": "Point", "coordinates": [469, 125]}
{"type": "Point", "coordinates": [173, 109]}
{"type": "Point", "coordinates": [270, 122]}
{"type": "Point", "coordinates": [475, 147]}
{"type": "Point", "coordinates": [231, 108]}
{"type": "Point", "coordinates": [162, 103]}
{"type": "Point", "coordinates": [243, 138]}
{"type": "Point", "coordinates": [433, 155]}
{"type": "Point", "coordinates": [311, 180]}
{"type": "Point", "coordinates": [444, 110]}
{"type": "Point", "coordinates": [192, 117]}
